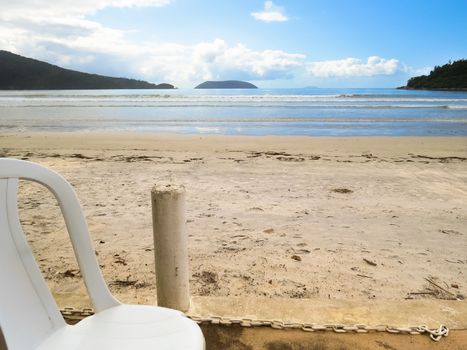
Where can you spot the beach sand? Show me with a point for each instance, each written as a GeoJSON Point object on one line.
{"type": "Point", "coordinates": [296, 217]}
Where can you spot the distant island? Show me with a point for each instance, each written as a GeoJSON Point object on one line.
{"type": "Point", "coordinates": [451, 76]}
{"type": "Point", "coordinates": [226, 84]}
{"type": "Point", "coordinates": [22, 73]}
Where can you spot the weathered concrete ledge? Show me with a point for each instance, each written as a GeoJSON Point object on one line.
{"type": "Point", "coordinates": [431, 313]}
{"type": "Point", "coordinates": [262, 338]}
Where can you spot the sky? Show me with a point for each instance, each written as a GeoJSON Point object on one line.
{"type": "Point", "coordinates": [293, 43]}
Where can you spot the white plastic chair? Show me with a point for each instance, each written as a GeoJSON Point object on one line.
{"type": "Point", "coordinates": [29, 316]}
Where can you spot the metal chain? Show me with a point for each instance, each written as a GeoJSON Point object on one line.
{"type": "Point", "coordinates": [435, 334]}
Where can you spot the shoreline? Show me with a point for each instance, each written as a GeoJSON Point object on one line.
{"type": "Point", "coordinates": [295, 217]}
{"type": "Point", "coordinates": [151, 139]}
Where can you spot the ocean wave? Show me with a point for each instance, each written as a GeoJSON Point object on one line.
{"type": "Point", "coordinates": [210, 122]}
{"type": "Point", "coordinates": [137, 98]}
{"type": "Point", "coordinates": [350, 101]}
{"type": "Point", "coordinates": [297, 120]}
{"type": "Point", "coordinates": [99, 104]}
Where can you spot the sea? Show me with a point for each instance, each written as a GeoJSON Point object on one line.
{"type": "Point", "coordinates": [307, 111]}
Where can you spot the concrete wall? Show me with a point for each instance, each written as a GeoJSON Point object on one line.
{"type": "Point", "coordinates": [264, 338]}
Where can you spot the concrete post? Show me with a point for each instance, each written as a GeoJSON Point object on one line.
{"type": "Point", "coordinates": [170, 246]}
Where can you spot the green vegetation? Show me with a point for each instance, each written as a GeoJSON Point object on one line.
{"type": "Point", "coordinates": [227, 84]}
{"type": "Point", "coordinates": [451, 76]}
{"type": "Point", "coordinates": [21, 73]}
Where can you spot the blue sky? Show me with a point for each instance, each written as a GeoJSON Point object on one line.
{"type": "Point", "coordinates": [332, 43]}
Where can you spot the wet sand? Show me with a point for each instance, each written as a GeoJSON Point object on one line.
{"type": "Point", "coordinates": [296, 217]}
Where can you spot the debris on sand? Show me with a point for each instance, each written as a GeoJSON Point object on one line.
{"type": "Point", "coordinates": [369, 262]}
{"type": "Point", "coordinates": [341, 190]}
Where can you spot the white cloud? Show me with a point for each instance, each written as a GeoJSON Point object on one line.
{"type": "Point", "coordinates": [259, 64]}
{"type": "Point", "coordinates": [218, 60]}
{"type": "Point", "coordinates": [353, 67]}
{"type": "Point", "coordinates": [59, 30]}
{"type": "Point", "coordinates": [271, 13]}
{"type": "Point", "coordinates": [41, 9]}
{"type": "Point", "coordinates": [416, 71]}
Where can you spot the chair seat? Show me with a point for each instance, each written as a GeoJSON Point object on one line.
{"type": "Point", "coordinates": [128, 327]}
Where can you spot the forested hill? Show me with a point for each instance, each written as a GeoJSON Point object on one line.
{"type": "Point", "coordinates": [21, 73]}
{"type": "Point", "coordinates": [226, 84]}
{"type": "Point", "coordinates": [451, 76]}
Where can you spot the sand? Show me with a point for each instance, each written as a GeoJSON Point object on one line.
{"type": "Point", "coordinates": [298, 217]}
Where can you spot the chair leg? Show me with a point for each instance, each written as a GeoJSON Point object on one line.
{"type": "Point", "coordinates": [2, 341]}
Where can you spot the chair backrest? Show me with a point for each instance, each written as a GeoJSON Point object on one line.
{"type": "Point", "coordinates": [28, 311]}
